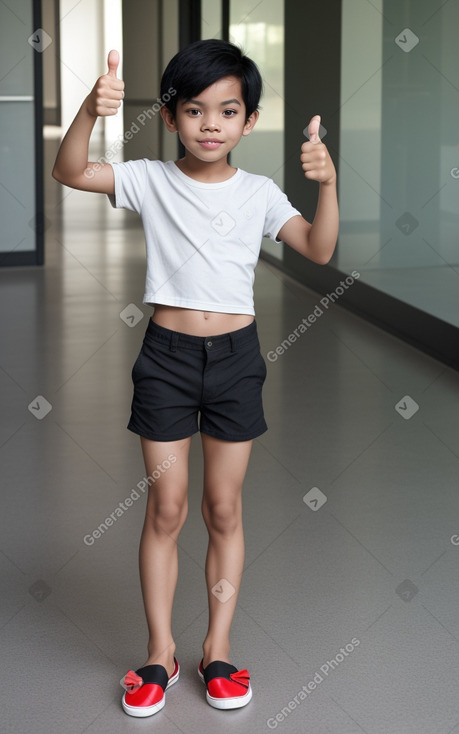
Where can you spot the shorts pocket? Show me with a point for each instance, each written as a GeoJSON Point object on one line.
{"type": "Point", "coordinates": [137, 367]}
{"type": "Point", "coordinates": [151, 362]}
{"type": "Point", "coordinates": [263, 367]}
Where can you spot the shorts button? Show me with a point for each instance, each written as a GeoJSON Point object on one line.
{"type": "Point", "coordinates": [209, 344]}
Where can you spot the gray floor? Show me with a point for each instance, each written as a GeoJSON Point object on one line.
{"type": "Point", "coordinates": [348, 613]}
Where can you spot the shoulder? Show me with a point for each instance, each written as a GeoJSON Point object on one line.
{"type": "Point", "coordinates": [164, 171]}
{"type": "Point", "coordinates": [143, 170]}
{"type": "Point", "coordinates": [262, 186]}
{"type": "Point", "coordinates": [144, 164]}
{"type": "Point", "coordinates": [255, 178]}
{"type": "Point", "coordinates": [256, 182]}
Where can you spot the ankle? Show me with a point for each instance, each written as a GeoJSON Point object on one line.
{"type": "Point", "coordinates": [161, 654]}
{"type": "Point", "coordinates": [215, 651]}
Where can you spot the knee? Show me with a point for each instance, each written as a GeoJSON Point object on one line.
{"type": "Point", "coordinates": [223, 517]}
{"type": "Point", "coordinates": [167, 516]}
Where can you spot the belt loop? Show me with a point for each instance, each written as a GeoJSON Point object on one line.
{"type": "Point", "coordinates": [174, 341]}
{"type": "Point", "coordinates": [232, 341]}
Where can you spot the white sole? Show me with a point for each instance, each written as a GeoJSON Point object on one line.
{"type": "Point", "coordinates": [142, 711]}
{"type": "Point", "coordinates": [227, 703]}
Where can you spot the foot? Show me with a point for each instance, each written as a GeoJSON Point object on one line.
{"type": "Point", "coordinates": [166, 660]}
{"type": "Point", "coordinates": [211, 657]}
{"type": "Point", "coordinates": [215, 653]}
{"type": "Point", "coordinates": [145, 689]}
{"type": "Point", "coordinates": [226, 686]}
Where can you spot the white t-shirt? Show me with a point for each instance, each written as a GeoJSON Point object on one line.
{"type": "Point", "coordinates": [202, 239]}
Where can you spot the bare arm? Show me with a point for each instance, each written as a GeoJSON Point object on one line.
{"type": "Point", "coordinates": [316, 241]}
{"type": "Point", "coordinates": [72, 167]}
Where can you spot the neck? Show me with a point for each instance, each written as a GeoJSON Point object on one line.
{"type": "Point", "coordinates": [206, 172]}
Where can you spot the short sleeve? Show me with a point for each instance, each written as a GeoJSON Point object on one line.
{"type": "Point", "coordinates": [278, 211]}
{"type": "Point", "coordinates": [130, 184]}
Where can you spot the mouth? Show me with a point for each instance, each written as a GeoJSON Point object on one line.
{"type": "Point", "coordinates": [210, 143]}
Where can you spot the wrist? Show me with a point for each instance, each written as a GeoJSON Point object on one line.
{"type": "Point", "coordinates": [329, 182]}
{"type": "Point", "coordinates": [86, 106]}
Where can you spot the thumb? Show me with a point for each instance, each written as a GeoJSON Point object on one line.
{"type": "Point", "coordinates": [313, 129]}
{"type": "Point", "coordinates": [113, 60]}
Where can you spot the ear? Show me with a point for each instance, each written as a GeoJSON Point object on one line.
{"type": "Point", "coordinates": [168, 119]}
{"type": "Point", "coordinates": [250, 124]}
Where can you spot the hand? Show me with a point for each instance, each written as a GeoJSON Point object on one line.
{"type": "Point", "coordinates": [315, 158]}
{"type": "Point", "coordinates": [107, 93]}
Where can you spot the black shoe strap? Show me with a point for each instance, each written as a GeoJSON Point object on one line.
{"type": "Point", "coordinates": [154, 674]}
{"type": "Point", "coordinates": [218, 669]}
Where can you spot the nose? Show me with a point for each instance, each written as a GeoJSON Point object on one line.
{"type": "Point", "coordinates": [209, 124]}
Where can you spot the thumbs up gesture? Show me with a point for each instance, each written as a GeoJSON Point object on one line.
{"type": "Point", "coordinates": [315, 158]}
{"type": "Point", "coordinates": [107, 93]}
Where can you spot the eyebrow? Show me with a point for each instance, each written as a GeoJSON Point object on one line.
{"type": "Point", "coordinates": [201, 104]}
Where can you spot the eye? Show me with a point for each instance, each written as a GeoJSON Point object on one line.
{"type": "Point", "coordinates": [193, 112]}
{"type": "Point", "coordinates": [229, 113]}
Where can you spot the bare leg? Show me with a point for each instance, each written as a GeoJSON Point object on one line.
{"type": "Point", "coordinates": [225, 465]}
{"type": "Point", "coordinates": [166, 511]}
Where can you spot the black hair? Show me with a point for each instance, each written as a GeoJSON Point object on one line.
{"type": "Point", "coordinates": [203, 63]}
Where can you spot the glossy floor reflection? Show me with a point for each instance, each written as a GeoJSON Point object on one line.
{"type": "Point", "coordinates": [347, 617]}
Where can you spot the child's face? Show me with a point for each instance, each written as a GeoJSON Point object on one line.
{"type": "Point", "coordinates": [211, 124]}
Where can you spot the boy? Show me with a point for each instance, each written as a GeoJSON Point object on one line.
{"type": "Point", "coordinates": [203, 221]}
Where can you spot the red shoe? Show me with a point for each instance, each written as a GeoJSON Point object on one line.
{"type": "Point", "coordinates": [227, 687]}
{"type": "Point", "coordinates": [146, 689]}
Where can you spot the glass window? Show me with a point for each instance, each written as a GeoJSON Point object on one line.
{"type": "Point", "coordinates": [260, 33]}
{"type": "Point", "coordinates": [17, 120]}
{"type": "Point", "coordinates": [399, 151]}
{"type": "Point", "coordinates": [211, 19]}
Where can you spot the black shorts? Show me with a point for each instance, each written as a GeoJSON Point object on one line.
{"type": "Point", "coordinates": [179, 376]}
